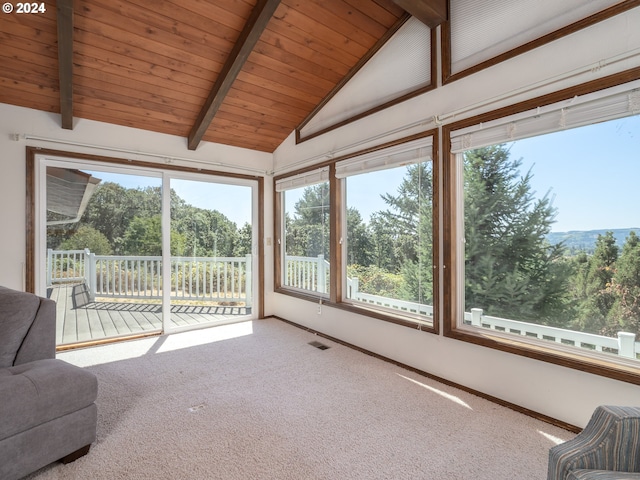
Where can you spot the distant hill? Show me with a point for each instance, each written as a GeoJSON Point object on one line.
{"type": "Point", "coordinates": [576, 241]}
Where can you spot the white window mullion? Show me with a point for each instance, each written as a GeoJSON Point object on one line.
{"type": "Point", "coordinates": [166, 252]}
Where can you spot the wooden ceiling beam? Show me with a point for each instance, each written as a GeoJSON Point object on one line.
{"type": "Point", "coordinates": [65, 61]}
{"type": "Point", "coordinates": [430, 12]}
{"type": "Point", "coordinates": [257, 22]}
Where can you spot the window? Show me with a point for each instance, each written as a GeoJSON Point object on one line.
{"type": "Point", "coordinates": [389, 224]}
{"type": "Point", "coordinates": [482, 32]}
{"type": "Point", "coordinates": [548, 242]}
{"type": "Point", "coordinates": [305, 239]}
{"type": "Point", "coordinates": [367, 219]}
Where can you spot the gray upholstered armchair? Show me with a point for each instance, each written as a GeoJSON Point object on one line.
{"type": "Point", "coordinates": [607, 449]}
{"type": "Point", "coordinates": [47, 409]}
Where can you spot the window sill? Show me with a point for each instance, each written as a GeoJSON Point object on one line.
{"type": "Point", "coordinates": [624, 370]}
{"type": "Point", "coordinates": [391, 317]}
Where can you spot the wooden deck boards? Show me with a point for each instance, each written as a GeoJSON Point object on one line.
{"type": "Point", "coordinates": [79, 320]}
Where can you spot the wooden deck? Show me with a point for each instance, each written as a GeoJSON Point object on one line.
{"type": "Point", "coordinates": [79, 320]}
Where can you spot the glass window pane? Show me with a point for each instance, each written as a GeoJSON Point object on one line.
{"type": "Point", "coordinates": [306, 245]}
{"type": "Point", "coordinates": [104, 253]}
{"type": "Point", "coordinates": [389, 240]}
{"type": "Point", "coordinates": [551, 237]}
{"type": "Point", "coordinates": [211, 243]}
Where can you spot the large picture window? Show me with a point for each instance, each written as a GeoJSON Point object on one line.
{"type": "Point", "coordinates": [548, 229]}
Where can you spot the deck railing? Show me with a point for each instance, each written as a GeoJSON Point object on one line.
{"type": "Point", "coordinates": [219, 279]}
{"type": "Point", "coordinates": [66, 266]}
{"type": "Point", "coordinates": [624, 344]}
{"type": "Point", "coordinates": [307, 273]}
{"type": "Point", "coordinates": [229, 279]}
{"type": "Point", "coordinates": [311, 273]}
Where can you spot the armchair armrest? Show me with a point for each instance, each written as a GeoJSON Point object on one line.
{"type": "Point", "coordinates": [40, 341]}
{"type": "Point", "coordinates": [610, 441]}
{"type": "Point", "coordinates": [27, 327]}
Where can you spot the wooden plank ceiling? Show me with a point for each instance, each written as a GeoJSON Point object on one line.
{"type": "Point", "coordinates": [154, 64]}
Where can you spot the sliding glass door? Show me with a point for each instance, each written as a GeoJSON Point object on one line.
{"type": "Point", "coordinates": [126, 252]}
{"type": "Point", "coordinates": [103, 253]}
{"type": "Point", "coordinates": [211, 243]}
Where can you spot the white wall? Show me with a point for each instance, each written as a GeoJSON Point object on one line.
{"type": "Point", "coordinates": [120, 142]}
{"type": "Point", "coordinates": [565, 394]}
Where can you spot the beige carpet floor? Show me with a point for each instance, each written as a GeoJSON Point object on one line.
{"type": "Point", "coordinates": [255, 401]}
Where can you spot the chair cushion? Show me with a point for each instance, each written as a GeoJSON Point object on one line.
{"type": "Point", "coordinates": [584, 474]}
{"type": "Point", "coordinates": [40, 391]}
{"type": "Point", "coordinates": [17, 311]}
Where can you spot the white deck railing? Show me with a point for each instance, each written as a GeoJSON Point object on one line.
{"type": "Point", "coordinates": [624, 344]}
{"type": "Point", "coordinates": [311, 273]}
{"type": "Point", "coordinates": [307, 273]}
{"type": "Point", "coordinates": [66, 266]}
{"type": "Point", "coordinates": [140, 277]}
{"type": "Point", "coordinates": [229, 279]}
{"type": "Point", "coordinates": [404, 306]}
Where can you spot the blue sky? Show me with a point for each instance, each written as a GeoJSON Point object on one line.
{"type": "Point", "coordinates": [592, 173]}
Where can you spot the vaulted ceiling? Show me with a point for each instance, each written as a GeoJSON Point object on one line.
{"type": "Point", "coordinates": [238, 72]}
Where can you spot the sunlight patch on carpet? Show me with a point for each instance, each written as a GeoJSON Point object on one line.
{"type": "Point", "coordinates": [446, 395]}
{"type": "Point", "coordinates": [98, 355]}
{"type": "Point", "coordinates": [553, 439]}
{"type": "Point", "coordinates": [207, 335]}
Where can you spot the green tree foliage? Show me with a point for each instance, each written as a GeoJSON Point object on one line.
{"type": "Point", "coordinates": [625, 312]}
{"type": "Point", "coordinates": [377, 281]}
{"type": "Point", "coordinates": [244, 243]}
{"type": "Point", "coordinates": [87, 237]}
{"type": "Point", "coordinates": [606, 287]}
{"type": "Point", "coordinates": [144, 237]}
{"type": "Point", "coordinates": [206, 232]}
{"type": "Point", "coordinates": [359, 238]}
{"type": "Point", "coordinates": [113, 207]}
{"type": "Point", "coordinates": [383, 253]}
{"type": "Point", "coordinates": [308, 229]}
{"type": "Point", "coordinates": [592, 286]}
{"type": "Point", "coordinates": [129, 219]}
{"type": "Point", "coordinates": [403, 233]}
{"type": "Point", "coordinates": [510, 269]}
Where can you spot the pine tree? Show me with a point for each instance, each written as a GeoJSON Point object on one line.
{"type": "Point", "coordinates": [594, 291]}
{"type": "Point", "coordinates": [625, 312]}
{"type": "Point", "coordinates": [359, 239]}
{"type": "Point", "coordinates": [407, 226]}
{"type": "Point", "coordinates": [511, 270]}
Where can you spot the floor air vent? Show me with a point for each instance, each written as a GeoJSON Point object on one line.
{"type": "Point", "coordinates": [319, 345]}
